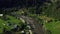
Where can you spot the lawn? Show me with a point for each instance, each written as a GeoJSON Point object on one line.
{"type": "Point", "coordinates": [54, 27]}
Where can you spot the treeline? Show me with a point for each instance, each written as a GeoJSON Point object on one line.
{"type": "Point", "coordinates": [12, 5]}
{"type": "Point", "coordinates": [21, 3]}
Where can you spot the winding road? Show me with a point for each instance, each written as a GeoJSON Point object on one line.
{"type": "Point", "coordinates": [36, 27]}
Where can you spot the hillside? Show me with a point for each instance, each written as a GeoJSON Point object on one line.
{"type": "Point", "coordinates": [30, 16]}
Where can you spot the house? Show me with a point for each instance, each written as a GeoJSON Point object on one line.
{"type": "Point", "coordinates": [1, 15]}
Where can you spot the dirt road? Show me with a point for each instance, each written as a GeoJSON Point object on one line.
{"type": "Point", "coordinates": [36, 27]}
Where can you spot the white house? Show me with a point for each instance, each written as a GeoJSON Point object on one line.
{"type": "Point", "coordinates": [1, 14]}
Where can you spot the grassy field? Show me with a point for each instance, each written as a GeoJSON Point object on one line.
{"type": "Point", "coordinates": [12, 20]}
{"type": "Point", "coordinates": [53, 26]}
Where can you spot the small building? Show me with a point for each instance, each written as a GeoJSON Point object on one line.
{"type": "Point", "coordinates": [1, 15]}
{"type": "Point", "coordinates": [22, 32]}
{"type": "Point", "coordinates": [22, 20]}
{"type": "Point", "coordinates": [30, 32]}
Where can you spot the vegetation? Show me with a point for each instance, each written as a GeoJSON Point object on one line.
{"type": "Point", "coordinates": [46, 12]}
{"type": "Point", "coordinates": [9, 23]}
